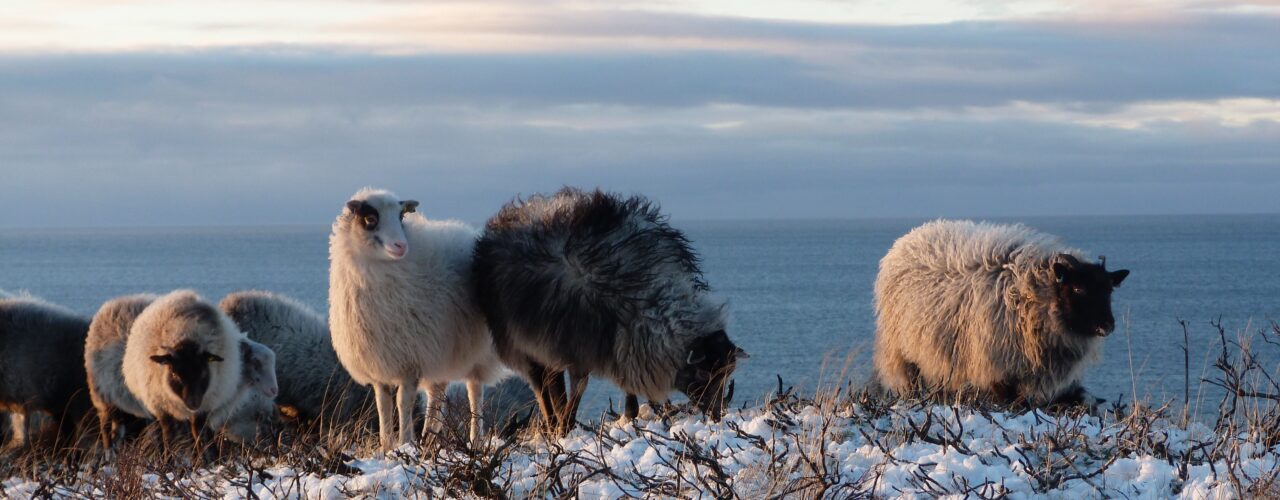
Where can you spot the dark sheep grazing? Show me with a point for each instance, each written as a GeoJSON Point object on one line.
{"type": "Point", "coordinates": [591, 282]}
{"type": "Point", "coordinates": [41, 365]}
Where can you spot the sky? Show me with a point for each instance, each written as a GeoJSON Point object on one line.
{"type": "Point", "coordinates": [141, 112]}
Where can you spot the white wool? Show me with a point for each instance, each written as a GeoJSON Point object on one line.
{"type": "Point", "coordinates": [412, 321]}
{"type": "Point", "coordinates": [150, 336]}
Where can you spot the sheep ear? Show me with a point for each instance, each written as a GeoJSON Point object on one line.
{"type": "Point", "coordinates": [1118, 276]}
{"type": "Point", "coordinates": [409, 205]}
{"type": "Point", "coordinates": [163, 359]}
{"type": "Point", "coordinates": [1062, 265]}
{"type": "Point", "coordinates": [738, 353]}
{"type": "Point", "coordinates": [353, 206]}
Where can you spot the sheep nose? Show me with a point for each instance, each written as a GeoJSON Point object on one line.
{"type": "Point", "coordinates": [397, 249]}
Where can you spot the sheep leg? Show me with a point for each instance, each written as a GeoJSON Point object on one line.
{"type": "Point", "coordinates": [382, 397]}
{"type": "Point", "coordinates": [895, 372]}
{"type": "Point", "coordinates": [631, 408]}
{"type": "Point", "coordinates": [475, 398]}
{"type": "Point", "coordinates": [536, 374]}
{"type": "Point", "coordinates": [107, 426]}
{"type": "Point", "coordinates": [578, 384]}
{"type": "Point", "coordinates": [557, 395]}
{"type": "Point", "coordinates": [165, 422]}
{"type": "Point", "coordinates": [408, 395]}
{"type": "Point", "coordinates": [434, 418]}
{"type": "Point", "coordinates": [18, 426]}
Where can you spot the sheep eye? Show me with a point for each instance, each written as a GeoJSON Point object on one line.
{"type": "Point", "coordinates": [210, 357]}
{"type": "Point", "coordinates": [370, 221]}
{"type": "Point", "coordinates": [1078, 290]}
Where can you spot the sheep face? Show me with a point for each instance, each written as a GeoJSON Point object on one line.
{"type": "Point", "coordinates": [376, 224]}
{"type": "Point", "coordinates": [1084, 294]}
{"type": "Point", "coordinates": [705, 376]}
{"type": "Point", "coordinates": [258, 365]}
{"type": "Point", "coordinates": [188, 371]}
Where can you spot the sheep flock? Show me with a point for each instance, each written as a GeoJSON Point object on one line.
{"type": "Point", "coordinates": [552, 290]}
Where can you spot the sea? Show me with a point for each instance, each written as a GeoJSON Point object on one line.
{"type": "Point", "coordinates": [799, 291]}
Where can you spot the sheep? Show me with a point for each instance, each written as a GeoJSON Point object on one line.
{"type": "Point", "coordinates": [313, 385]}
{"type": "Point", "coordinates": [1002, 312]}
{"type": "Point", "coordinates": [182, 360]}
{"type": "Point", "coordinates": [401, 312]}
{"type": "Point", "coordinates": [253, 406]}
{"type": "Point", "coordinates": [590, 282]}
{"type": "Point", "coordinates": [103, 357]}
{"type": "Point", "coordinates": [116, 406]}
{"type": "Point", "coordinates": [41, 345]}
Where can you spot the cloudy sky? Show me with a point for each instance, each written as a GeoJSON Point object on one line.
{"type": "Point", "coordinates": [160, 112]}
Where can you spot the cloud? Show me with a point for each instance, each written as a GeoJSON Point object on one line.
{"type": "Point", "coordinates": [166, 162]}
{"type": "Point", "coordinates": [724, 117]}
{"type": "Point", "coordinates": [972, 64]}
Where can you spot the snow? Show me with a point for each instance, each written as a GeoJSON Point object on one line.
{"type": "Point", "coordinates": [908, 452]}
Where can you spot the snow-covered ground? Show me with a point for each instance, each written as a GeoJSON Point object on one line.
{"type": "Point", "coordinates": [788, 447]}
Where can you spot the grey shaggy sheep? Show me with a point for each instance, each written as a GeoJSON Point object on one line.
{"type": "Point", "coordinates": [590, 282]}
{"type": "Point", "coordinates": [999, 311]}
{"type": "Point", "coordinates": [401, 311]}
{"type": "Point", "coordinates": [182, 359]}
{"type": "Point", "coordinates": [103, 356]}
{"type": "Point", "coordinates": [41, 347]}
{"type": "Point", "coordinates": [313, 384]}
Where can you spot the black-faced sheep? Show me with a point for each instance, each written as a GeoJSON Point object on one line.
{"type": "Point", "coordinates": [41, 347]}
{"type": "Point", "coordinates": [400, 308]}
{"type": "Point", "coordinates": [313, 385]}
{"type": "Point", "coordinates": [182, 360]}
{"type": "Point", "coordinates": [117, 406]}
{"type": "Point", "coordinates": [998, 311]}
{"type": "Point", "coordinates": [589, 282]}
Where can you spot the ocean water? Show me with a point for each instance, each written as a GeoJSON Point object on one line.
{"type": "Point", "coordinates": [800, 291]}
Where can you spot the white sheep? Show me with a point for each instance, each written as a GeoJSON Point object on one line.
{"type": "Point", "coordinates": [1000, 311]}
{"type": "Point", "coordinates": [401, 310]}
{"type": "Point", "coordinates": [182, 359]}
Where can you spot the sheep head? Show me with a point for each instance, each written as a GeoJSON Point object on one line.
{"type": "Point", "coordinates": [705, 376]}
{"type": "Point", "coordinates": [1083, 292]}
{"type": "Point", "coordinates": [187, 371]}
{"type": "Point", "coordinates": [374, 221]}
{"type": "Point", "coordinates": [258, 368]}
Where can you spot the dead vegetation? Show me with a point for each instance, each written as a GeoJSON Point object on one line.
{"type": "Point", "coordinates": [842, 443]}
